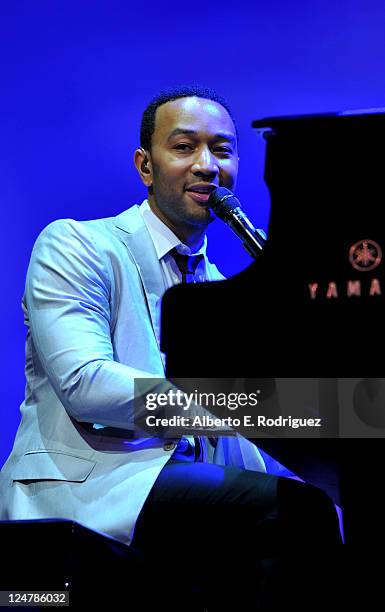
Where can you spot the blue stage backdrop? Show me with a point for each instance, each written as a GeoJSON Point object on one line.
{"type": "Point", "coordinates": [76, 76]}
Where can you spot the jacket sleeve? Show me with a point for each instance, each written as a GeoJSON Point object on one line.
{"type": "Point", "coordinates": [67, 297]}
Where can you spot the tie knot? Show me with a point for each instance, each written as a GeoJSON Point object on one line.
{"type": "Point", "coordinates": [187, 264]}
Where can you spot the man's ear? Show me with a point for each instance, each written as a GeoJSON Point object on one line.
{"type": "Point", "coordinates": [143, 164]}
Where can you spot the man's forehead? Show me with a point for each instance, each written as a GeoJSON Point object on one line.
{"type": "Point", "coordinates": [192, 113]}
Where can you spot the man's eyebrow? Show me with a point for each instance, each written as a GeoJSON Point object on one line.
{"type": "Point", "coordinates": [219, 136]}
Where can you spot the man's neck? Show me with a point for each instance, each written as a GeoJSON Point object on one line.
{"type": "Point", "coordinates": [191, 236]}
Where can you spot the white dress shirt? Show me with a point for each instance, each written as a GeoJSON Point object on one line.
{"type": "Point", "coordinates": [164, 241]}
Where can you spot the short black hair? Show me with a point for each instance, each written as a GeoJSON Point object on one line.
{"type": "Point", "coordinates": [147, 126]}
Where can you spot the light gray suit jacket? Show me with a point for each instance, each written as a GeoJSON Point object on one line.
{"type": "Point", "coordinates": [89, 305]}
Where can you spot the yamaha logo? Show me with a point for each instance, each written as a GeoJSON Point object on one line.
{"type": "Point", "coordinates": [365, 255]}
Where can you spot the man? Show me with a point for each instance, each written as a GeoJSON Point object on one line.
{"type": "Point", "coordinates": [91, 305]}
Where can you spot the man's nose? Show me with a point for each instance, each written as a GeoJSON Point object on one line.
{"type": "Point", "coordinates": [205, 163]}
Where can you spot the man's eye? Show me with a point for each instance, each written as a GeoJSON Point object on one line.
{"type": "Point", "coordinates": [223, 150]}
{"type": "Point", "coordinates": [183, 147]}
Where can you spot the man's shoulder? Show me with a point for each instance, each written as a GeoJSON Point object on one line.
{"type": "Point", "coordinates": [99, 229]}
{"type": "Point", "coordinates": [129, 219]}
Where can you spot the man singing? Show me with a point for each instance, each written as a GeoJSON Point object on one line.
{"type": "Point", "coordinates": [92, 306]}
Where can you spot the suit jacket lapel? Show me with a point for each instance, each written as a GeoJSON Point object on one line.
{"type": "Point", "coordinates": [139, 243]}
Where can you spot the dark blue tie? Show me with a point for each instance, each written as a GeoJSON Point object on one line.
{"type": "Point", "coordinates": [187, 265]}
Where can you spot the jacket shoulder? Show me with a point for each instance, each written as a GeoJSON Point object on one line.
{"type": "Point", "coordinates": [101, 232]}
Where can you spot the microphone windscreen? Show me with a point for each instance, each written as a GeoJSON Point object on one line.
{"type": "Point", "coordinates": [223, 201]}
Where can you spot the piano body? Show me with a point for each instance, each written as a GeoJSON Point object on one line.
{"type": "Point", "coordinates": [311, 305]}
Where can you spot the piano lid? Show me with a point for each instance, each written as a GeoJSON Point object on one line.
{"type": "Point", "coordinates": [316, 120]}
{"type": "Point", "coordinates": [313, 302]}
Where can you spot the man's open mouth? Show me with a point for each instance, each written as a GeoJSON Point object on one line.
{"type": "Point", "coordinates": [200, 192]}
{"type": "Point", "coordinates": [199, 197]}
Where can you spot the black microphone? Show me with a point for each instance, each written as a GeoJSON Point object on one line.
{"type": "Point", "coordinates": [228, 208]}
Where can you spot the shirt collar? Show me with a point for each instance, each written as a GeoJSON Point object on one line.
{"type": "Point", "coordinates": [163, 238]}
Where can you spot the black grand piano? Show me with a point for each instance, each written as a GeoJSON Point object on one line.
{"type": "Point", "coordinates": [311, 305]}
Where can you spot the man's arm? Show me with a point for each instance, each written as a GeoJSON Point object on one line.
{"type": "Point", "coordinates": [68, 296]}
{"type": "Point", "coordinates": [68, 291]}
